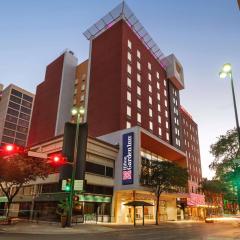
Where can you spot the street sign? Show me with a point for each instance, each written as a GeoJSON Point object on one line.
{"type": "Point", "coordinates": [64, 183]}
{"type": "Point", "coordinates": [78, 185]}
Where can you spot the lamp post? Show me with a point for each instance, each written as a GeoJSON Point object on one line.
{"type": "Point", "coordinates": [227, 72]}
{"type": "Point", "coordinates": [75, 112]}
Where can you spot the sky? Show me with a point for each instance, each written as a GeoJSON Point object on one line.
{"type": "Point", "coordinates": [203, 35]}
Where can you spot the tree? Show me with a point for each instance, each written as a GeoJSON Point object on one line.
{"type": "Point", "coordinates": [19, 169]}
{"type": "Point", "coordinates": [162, 176]}
{"type": "Point", "coordinates": [225, 151]}
{"type": "Point", "coordinates": [214, 190]}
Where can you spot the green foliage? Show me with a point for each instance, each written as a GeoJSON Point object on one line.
{"type": "Point", "coordinates": [162, 177]}
{"type": "Point", "coordinates": [63, 208]}
{"type": "Point", "coordinates": [19, 169]}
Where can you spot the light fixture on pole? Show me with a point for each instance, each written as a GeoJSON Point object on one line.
{"type": "Point", "coordinates": [75, 112]}
{"type": "Point", "coordinates": [227, 72]}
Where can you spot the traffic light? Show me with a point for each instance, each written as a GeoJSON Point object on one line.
{"type": "Point", "coordinates": [68, 185]}
{"type": "Point", "coordinates": [10, 149]}
{"type": "Point", "coordinates": [56, 159]}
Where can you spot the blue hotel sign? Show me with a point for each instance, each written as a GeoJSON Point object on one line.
{"type": "Point", "coordinates": [127, 158]}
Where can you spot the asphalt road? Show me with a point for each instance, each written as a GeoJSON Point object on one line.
{"type": "Point", "coordinates": [184, 231]}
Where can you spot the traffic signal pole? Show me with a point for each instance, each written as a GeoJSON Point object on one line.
{"type": "Point", "coordinates": [69, 220]}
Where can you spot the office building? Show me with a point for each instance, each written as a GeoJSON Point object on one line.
{"type": "Point", "coordinates": [15, 115]}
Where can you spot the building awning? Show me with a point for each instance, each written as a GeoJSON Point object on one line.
{"type": "Point", "coordinates": [51, 197]}
{"type": "Point", "coordinates": [95, 198]}
{"type": "Point", "coordinates": [3, 199]}
{"type": "Point", "coordinates": [161, 148]}
{"type": "Point", "coordinates": [139, 203]}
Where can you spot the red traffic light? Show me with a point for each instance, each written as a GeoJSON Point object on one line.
{"type": "Point", "coordinates": [9, 149]}
{"type": "Point", "coordinates": [57, 159]}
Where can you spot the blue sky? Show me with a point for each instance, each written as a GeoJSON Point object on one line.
{"type": "Point", "coordinates": [202, 34]}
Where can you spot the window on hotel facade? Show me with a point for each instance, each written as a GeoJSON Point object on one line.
{"type": "Point", "coordinates": [149, 77]}
{"type": "Point", "coordinates": [167, 136]}
{"type": "Point", "coordinates": [138, 54]}
{"type": "Point", "coordinates": [149, 88]}
{"type": "Point", "coordinates": [129, 44]}
{"type": "Point", "coordinates": [165, 83]}
{"type": "Point", "coordinates": [166, 114]}
{"type": "Point", "coordinates": [82, 98]}
{"type": "Point", "coordinates": [129, 97]}
{"type": "Point", "coordinates": [15, 99]}
{"type": "Point", "coordinates": [83, 87]}
{"type": "Point", "coordinates": [150, 125]}
{"type": "Point", "coordinates": [158, 85]}
{"type": "Point", "coordinates": [129, 82]}
{"type": "Point", "coordinates": [165, 103]}
{"type": "Point", "coordinates": [159, 107]}
{"type": "Point", "coordinates": [129, 111]}
{"type": "Point", "coordinates": [129, 69]}
{"type": "Point", "coordinates": [159, 119]}
{"type": "Point", "coordinates": [28, 98]}
{"type": "Point", "coordinates": [138, 104]}
{"type": "Point", "coordinates": [158, 96]}
{"type": "Point", "coordinates": [138, 90]}
{"type": "Point", "coordinates": [150, 100]}
{"type": "Point", "coordinates": [159, 131]}
{"type": "Point", "coordinates": [165, 93]}
{"type": "Point", "coordinates": [138, 77]}
{"type": "Point", "coordinates": [157, 75]}
{"type": "Point", "coordinates": [150, 112]}
{"type": "Point", "coordinates": [129, 56]}
{"type": "Point", "coordinates": [14, 105]}
{"type": "Point", "coordinates": [16, 93]}
{"type": "Point", "coordinates": [139, 117]}
{"type": "Point", "coordinates": [149, 66]}
{"type": "Point", "coordinates": [138, 66]}
{"type": "Point", "coordinates": [166, 124]}
{"type": "Point", "coordinates": [128, 124]}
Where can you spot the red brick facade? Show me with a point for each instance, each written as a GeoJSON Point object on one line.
{"type": "Point", "coordinates": [46, 104]}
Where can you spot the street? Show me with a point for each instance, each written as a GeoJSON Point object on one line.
{"type": "Point", "coordinates": [193, 231]}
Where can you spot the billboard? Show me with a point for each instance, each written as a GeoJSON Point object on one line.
{"type": "Point", "coordinates": [127, 158]}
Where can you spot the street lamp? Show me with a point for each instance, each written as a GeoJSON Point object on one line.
{"type": "Point", "coordinates": [227, 72]}
{"type": "Point", "coordinates": [75, 112]}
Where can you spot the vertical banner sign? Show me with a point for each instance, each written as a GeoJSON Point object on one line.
{"type": "Point", "coordinates": [127, 158]}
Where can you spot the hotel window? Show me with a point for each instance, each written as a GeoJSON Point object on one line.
{"type": "Point", "coordinates": [167, 136]}
{"type": "Point", "coordinates": [83, 87]}
{"type": "Point", "coordinates": [165, 93]}
{"type": "Point", "coordinates": [138, 54]}
{"type": "Point", "coordinates": [159, 119]}
{"type": "Point", "coordinates": [159, 107]}
{"type": "Point", "coordinates": [165, 102]}
{"type": "Point", "coordinates": [166, 124]}
{"type": "Point", "coordinates": [138, 77]}
{"type": "Point", "coordinates": [129, 111]}
{"type": "Point", "coordinates": [157, 74]}
{"type": "Point", "coordinates": [150, 100]}
{"type": "Point", "coordinates": [129, 69]}
{"type": "Point", "coordinates": [159, 131]}
{"type": "Point", "coordinates": [82, 98]}
{"type": "Point", "coordinates": [129, 44]}
{"type": "Point", "coordinates": [158, 96]}
{"type": "Point", "coordinates": [149, 66]}
{"type": "Point", "coordinates": [75, 91]}
{"type": "Point", "coordinates": [150, 112]}
{"type": "Point", "coordinates": [158, 85]}
{"type": "Point", "coordinates": [129, 82]}
{"type": "Point", "coordinates": [129, 56]}
{"type": "Point", "coordinates": [138, 90]}
{"type": "Point", "coordinates": [149, 88]}
{"type": "Point", "coordinates": [128, 124]}
{"type": "Point", "coordinates": [138, 103]}
{"type": "Point", "coordinates": [139, 117]}
{"type": "Point", "coordinates": [149, 77]}
{"type": "Point", "coordinates": [150, 125]}
{"type": "Point", "coordinates": [138, 66]}
{"type": "Point", "coordinates": [166, 114]}
{"type": "Point", "coordinates": [129, 96]}
{"type": "Point", "coordinates": [165, 83]}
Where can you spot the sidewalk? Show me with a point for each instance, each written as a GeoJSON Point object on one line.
{"type": "Point", "coordinates": [53, 228]}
